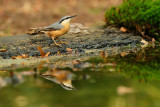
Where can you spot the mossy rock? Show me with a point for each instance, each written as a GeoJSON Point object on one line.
{"type": "Point", "coordinates": [138, 15]}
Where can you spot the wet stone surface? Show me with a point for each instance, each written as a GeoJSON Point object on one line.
{"type": "Point", "coordinates": [79, 38]}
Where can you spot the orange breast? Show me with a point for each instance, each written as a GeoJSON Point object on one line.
{"type": "Point", "coordinates": [57, 33]}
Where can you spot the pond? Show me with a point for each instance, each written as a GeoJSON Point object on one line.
{"type": "Point", "coordinates": [124, 80]}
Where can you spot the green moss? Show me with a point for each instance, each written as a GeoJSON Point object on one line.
{"type": "Point", "coordinates": [134, 14]}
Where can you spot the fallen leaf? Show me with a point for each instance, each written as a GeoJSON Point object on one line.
{"type": "Point", "coordinates": [76, 62]}
{"type": "Point", "coordinates": [20, 56]}
{"type": "Point", "coordinates": [123, 29]}
{"type": "Point", "coordinates": [42, 53]}
{"type": "Point", "coordinates": [24, 56]}
{"type": "Point", "coordinates": [13, 57]}
{"type": "Point", "coordinates": [3, 50]}
{"type": "Point", "coordinates": [17, 57]}
{"type": "Point", "coordinates": [124, 54]}
{"type": "Point", "coordinates": [46, 55]}
{"type": "Point", "coordinates": [102, 54]}
{"type": "Point", "coordinates": [58, 52]}
{"type": "Point", "coordinates": [69, 50]}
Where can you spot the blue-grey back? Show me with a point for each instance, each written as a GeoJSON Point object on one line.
{"type": "Point", "coordinates": [55, 26]}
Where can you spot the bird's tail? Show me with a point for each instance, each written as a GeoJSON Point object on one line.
{"type": "Point", "coordinates": [34, 31]}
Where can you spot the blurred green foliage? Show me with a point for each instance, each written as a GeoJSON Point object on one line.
{"type": "Point", "coordinates": [135, 15]}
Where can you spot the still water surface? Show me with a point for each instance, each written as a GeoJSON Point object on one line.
{"type": "Point", "coordinates": [119, 81]}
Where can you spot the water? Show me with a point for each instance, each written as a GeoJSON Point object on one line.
{"type": "Point", "coordinates": [119, 81]}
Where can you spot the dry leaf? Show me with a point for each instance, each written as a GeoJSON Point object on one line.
{"type": "Point", "coordinates": [123, 29]}
{"type": "Point", "coordinates": [17, 57]}
{"type": "Point", "coordinates": [58, 52]}
{"type": "Point", "coordinates": [42, 53]}
{"type": "Point", "coordinates": [24, 56]}
{"type": "Point", "coordinates": [3, 50]}
{"type": "Point", "coordinates": [102, 54]}
{"type": "Point", "coordinates": [20, 56]}
{"type": "Point", "coordinates": [69, 50]}
{"type": "Point", "coordinates": [124, 54]}
{"type": "Point", "coordinates": [76, 62]}
{"type": "Point", "coordinates": [46, 55]}
{"type": "Point", "coordinates": [13, 57]}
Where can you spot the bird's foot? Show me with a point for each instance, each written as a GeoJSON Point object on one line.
{"type": "Point", "coordinates": [63, 42]}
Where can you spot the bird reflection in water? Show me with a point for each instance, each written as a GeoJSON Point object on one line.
{"type": "Point", "coordinates": [61, 77]}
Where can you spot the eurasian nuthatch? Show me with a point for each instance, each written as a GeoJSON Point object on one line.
{"type": "Point", "coordinates": [54, 30]}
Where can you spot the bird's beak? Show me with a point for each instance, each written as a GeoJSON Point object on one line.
{"type": "Point", "coordinates": [73, 16]}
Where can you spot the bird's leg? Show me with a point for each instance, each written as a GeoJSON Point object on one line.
{"type": "Point", "coordinates": [55, 42]}
{"type": "Point", "coordinates": [62, 41]}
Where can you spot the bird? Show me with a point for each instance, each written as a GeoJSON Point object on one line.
{"type": "Point", "coordinates": [61, 77]}
{"type": "Point", "coordinates": [54, 30]}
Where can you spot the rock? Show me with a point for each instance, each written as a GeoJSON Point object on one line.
{"type": "Point", "coordinates": [78, 28]}
{"type": "Point", "coordinates": [79, 38]}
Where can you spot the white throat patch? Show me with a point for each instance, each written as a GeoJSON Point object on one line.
{"type": "Point", "coordinates": [66, 21]}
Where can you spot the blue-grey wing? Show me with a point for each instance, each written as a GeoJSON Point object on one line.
{"type": "Point", "coordinates": [55, 26]}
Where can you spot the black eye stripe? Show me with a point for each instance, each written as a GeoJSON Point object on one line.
{"type": "Point", "coordinates": [64, 19]}
{"type": "Point", "coordinates": [67, 18]}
